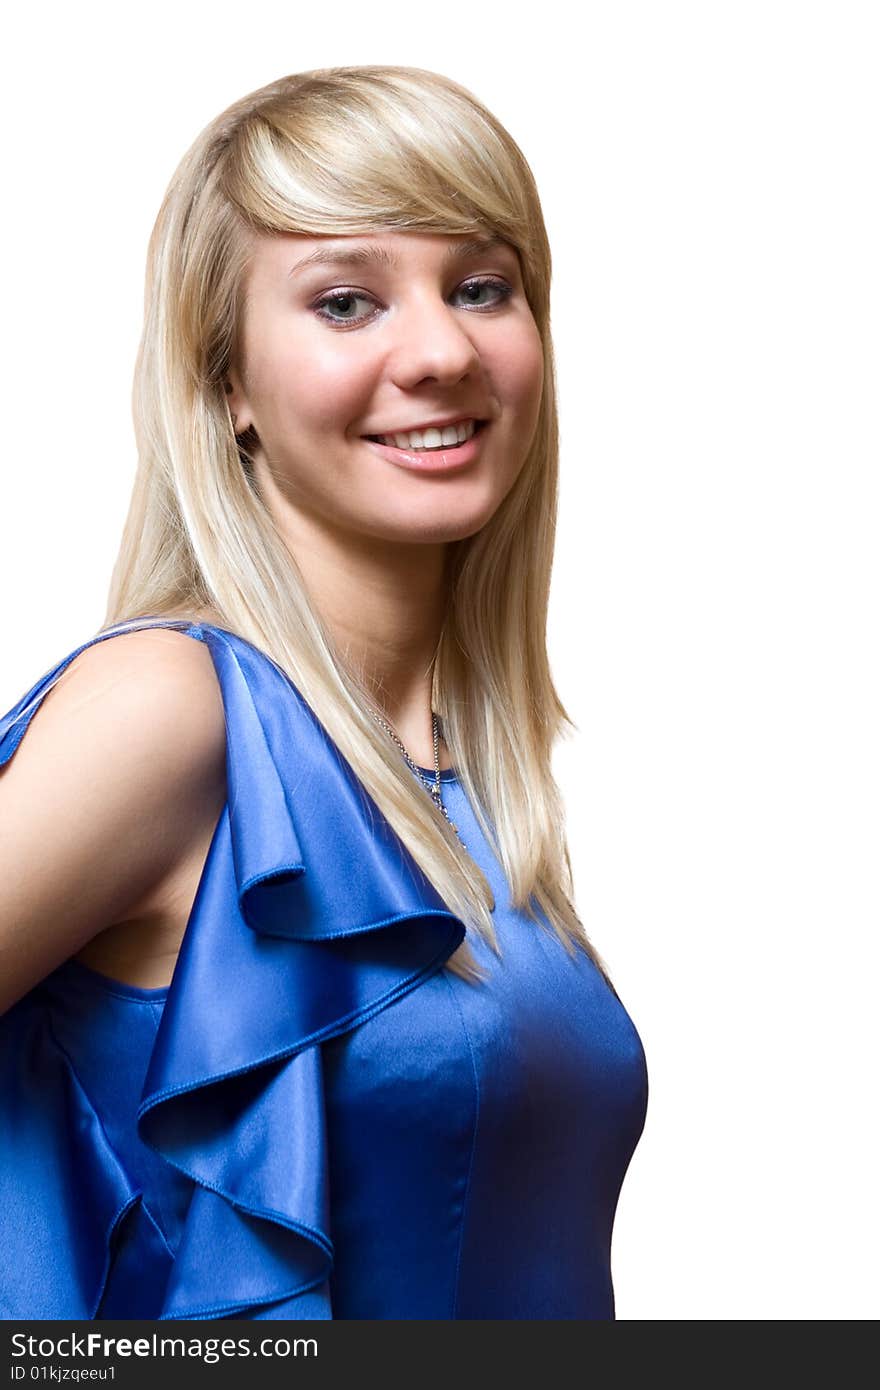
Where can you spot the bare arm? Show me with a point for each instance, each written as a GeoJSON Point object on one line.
{"type": "Point", "coordinates": [99, 803]}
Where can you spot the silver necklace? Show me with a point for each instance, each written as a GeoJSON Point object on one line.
{"type": "Point", "coordinates": [435, 789]}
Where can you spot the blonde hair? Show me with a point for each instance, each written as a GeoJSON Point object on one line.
{"type": "Point", "coordinates": [352, 150]}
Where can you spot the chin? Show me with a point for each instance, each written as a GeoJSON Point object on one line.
{"type": "Point", "coordinates": [440, 519]}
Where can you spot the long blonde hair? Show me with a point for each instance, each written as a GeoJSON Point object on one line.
{"type": "Point", "coordinates": [351, 150]}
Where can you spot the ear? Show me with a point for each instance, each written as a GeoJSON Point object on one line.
{"type": "Point", "coordinates": [239, 409]}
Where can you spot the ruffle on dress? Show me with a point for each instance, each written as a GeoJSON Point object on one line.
{"type": "Point", "coordinates": [310, 916]}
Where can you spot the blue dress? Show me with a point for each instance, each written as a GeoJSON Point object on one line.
{"type": "Point", "coordinates": [315, 1119]}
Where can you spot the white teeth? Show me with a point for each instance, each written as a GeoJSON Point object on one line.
{"type": "Point", "coordinates": [431, 438]}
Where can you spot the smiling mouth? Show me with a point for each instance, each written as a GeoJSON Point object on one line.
{"type": "Point", "coordinates": [443, 459]}
{"type": "Point", "coordinates": [433, 448]}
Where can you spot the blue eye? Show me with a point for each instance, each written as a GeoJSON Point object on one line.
{"type": "Point", "coordinates": [345, 297]}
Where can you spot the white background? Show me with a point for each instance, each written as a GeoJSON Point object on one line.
{"type": "Point", "coordinates": [709, 178]}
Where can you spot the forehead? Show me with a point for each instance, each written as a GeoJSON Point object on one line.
{"type": "Point", "coordinates": [295, 255]}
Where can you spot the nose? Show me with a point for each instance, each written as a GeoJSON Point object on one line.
{"type": "Point", "coordinates": [432, 342]}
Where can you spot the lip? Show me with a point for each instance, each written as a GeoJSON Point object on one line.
{"type": "Point", "coordinates": [439, 424]}
{"type": "Point", "coordinates": [451, 460]}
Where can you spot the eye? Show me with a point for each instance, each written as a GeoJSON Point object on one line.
{"type": "Point", "coordinates": [343, 299]}
{"type": "Point", "coordinates": [502, 289]}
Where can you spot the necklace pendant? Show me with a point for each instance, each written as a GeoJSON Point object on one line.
{"type": "Point", "coordinates": [434, 788]}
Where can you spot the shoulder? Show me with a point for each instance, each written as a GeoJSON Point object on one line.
{"type": "Point", "coordinates": [153, 689]}
{"type": "Point", "coordinates": [159, 664]}
{"type": "Point", "coordinates": [112, 772]}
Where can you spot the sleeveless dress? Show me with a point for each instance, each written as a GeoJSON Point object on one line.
{"type": "Point", "coordinates": [315, 1119]}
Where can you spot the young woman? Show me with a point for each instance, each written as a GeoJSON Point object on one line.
{"type": "Point", "coordinates": [299, 1019]}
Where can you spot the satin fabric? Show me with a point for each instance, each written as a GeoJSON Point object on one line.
{"type": "Point", "coordinates": [315, 1119]}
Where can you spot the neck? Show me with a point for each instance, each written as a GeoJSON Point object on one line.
{"type": "Point", "coordinates": [384, 605]}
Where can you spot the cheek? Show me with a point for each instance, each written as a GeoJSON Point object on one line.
{"type": "Point", "coordinates": [333, 384]}
{"type": "Point", "coordinates": [526, 377]}
{"type": "Point", "coordinates": [308, 385]}
{"type": "Point", "coordinates": [519, 359]}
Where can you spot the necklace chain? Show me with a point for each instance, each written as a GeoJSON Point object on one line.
{"type": "Point", "coordinates": [435, 789]}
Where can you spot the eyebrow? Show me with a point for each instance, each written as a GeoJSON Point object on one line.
{"type": "Point", "coordinates": [380, 256]}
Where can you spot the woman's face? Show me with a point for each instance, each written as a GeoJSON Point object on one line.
{"type": "Point", "coordinates": [417, 328]}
